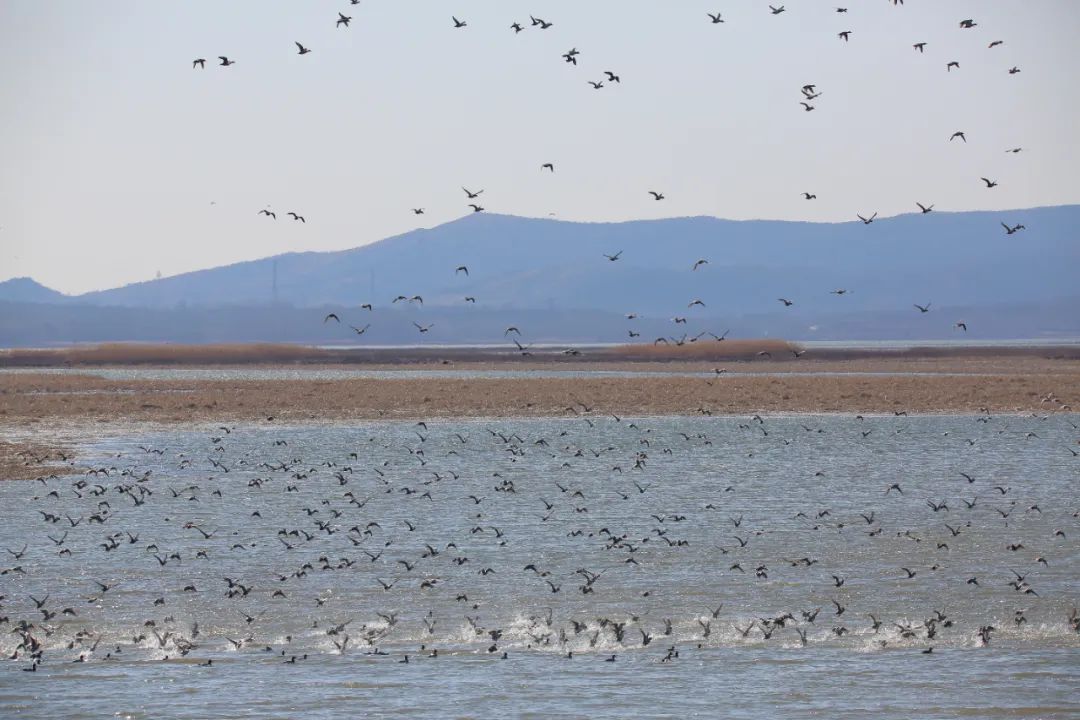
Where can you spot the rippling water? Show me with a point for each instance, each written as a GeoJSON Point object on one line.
{"type": "Point", "coordinates": [762, 552]}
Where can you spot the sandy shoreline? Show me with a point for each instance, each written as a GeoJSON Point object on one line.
{"type": "Point", "coordinates": [38, 409]}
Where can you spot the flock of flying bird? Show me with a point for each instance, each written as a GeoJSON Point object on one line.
{"type": "Point", "coordinates": [568, 536]}
{"type": "Point", "coordinates": [809, 93]}
{"type": "Point", "coordinates": [394, 514]}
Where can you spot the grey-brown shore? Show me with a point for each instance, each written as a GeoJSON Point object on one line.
{"type": "Point", "coordinates": [38, 409]}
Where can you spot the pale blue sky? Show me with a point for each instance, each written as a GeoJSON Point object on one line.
{"type": "Point", "coordinates": [112, 147]}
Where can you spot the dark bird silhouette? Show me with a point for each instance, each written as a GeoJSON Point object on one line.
{"type": "Point", "coordinates": [925, 208]}
{"type": "Point", "coordinates": [716, 19]}
{"type": "Point", "coordinates": [458, 23]}
{"type": "Point", "coordinates": [989, 183]}
{"type": "Point", "coordinates": [199, 62]}
{"type": "Point", "coordinates": [225, 62]}
{"type": "Point", "coordinates": [301, 50]}
{"type": "Point", "coordinates": [342, 20]}
{"type": "Point", "coordinates": [656, 195]}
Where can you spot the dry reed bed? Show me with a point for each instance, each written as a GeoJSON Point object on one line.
{"type": "Point", "coordinates": [26, 399]}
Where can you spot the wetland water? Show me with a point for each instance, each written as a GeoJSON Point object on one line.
{"type": "Point", "coordinates": [719, 537]}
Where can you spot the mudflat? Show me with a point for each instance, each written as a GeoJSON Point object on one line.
{"type": "Point", "coordinates": [39, 408]}
{"type": "Point", "coordinates": [1008, 384]}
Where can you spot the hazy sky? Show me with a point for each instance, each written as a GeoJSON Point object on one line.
{"type": "Point", "coordinates": [118, 160]}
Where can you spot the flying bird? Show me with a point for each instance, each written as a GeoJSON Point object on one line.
{"type": "Point", "coordinates": [923, 308]}
{"type": "Point", "coordinates": [458, 23]}
{"type": "Point", "coordinates": [331, 316]}
{"type": "Point", "coordinates": [866, 221]}
{"type": "Point", "coordinates": [656, 196]}
{"type": "Point", "coordinates": [777, 11]}
{"type": "Point", "coordinates": [716, 19]}
{"type": "Point", "coordinates": [809, 196]}
{"type": "Point", "coordinates": [989, 183]}
{"type": "Point", "coordinates": [200, 62]}
{"type": "Point", "coordinates": [461, 268]}
{"type": "Point", "coordinates": [296, 217]}
{"type": "Point", "coordinates": [548, 166]}
{"type": "Point", "coordinates": [302, 50]}
{"type": "Point", "coordinates": [925, 208]}
{"type": "Point", "coordinates": [614, 257]}
{"type": "Point", "coordinates": [342, 20]}
{"type": "Point", "coordinates": [225, 62]}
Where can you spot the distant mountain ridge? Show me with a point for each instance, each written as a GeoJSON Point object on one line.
{"type": "Point", "coordinates": [523, 262]}
{"type": "Point", "coordinates": [24, 289]}
{"type": "Point", "coordinates": [957, 260]}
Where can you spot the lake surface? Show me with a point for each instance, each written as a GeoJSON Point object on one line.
{"type": "Point", "coordinates": [765, 553]}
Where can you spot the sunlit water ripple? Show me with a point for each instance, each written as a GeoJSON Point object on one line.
{"type": "Point", "coordinates": [647, 507]}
